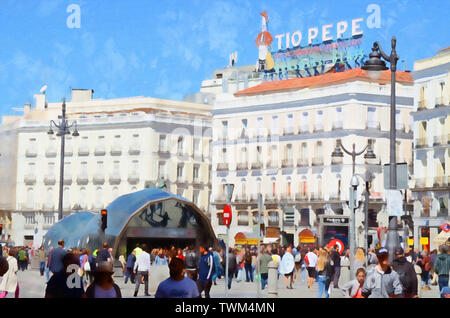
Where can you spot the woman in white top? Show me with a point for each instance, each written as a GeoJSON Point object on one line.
{"type": "Point", "coordinates": [10, 282]}
{"type": "Point", "coordinates": [287, 267]}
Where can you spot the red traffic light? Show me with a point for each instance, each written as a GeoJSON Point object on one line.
{"type": "Point", "coordinates": [104, 212]}
{"type": "Point", "coordinates": [227, 214]}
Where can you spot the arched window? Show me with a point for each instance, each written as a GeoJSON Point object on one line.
{"type": "Point", "coordinates": [98, 204]}
{"type": "Point", "coordinates": [49, 199]}
{"type": "Point", "coordinates": [66, 199]}
{"type": "Point", "coordinates": [30, 199]}
{"type": "Point", "coordinates": [83, 199]}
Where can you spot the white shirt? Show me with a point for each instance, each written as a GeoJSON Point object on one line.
{"type": "Point", "coordinates": [142, 262]}
{"type": "Point", "coordinates": [312, 258]}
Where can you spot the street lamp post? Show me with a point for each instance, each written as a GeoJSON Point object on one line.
{"type": "Point", "coordinates": [374, 66]}
{"type": "Point", "coordinates": [337, 153]}
{"type": "Point", "coordinates": [63, 127]}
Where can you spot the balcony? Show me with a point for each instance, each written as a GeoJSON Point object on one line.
{"type": "Point", "coordinates": [82, 179]}
{"type": "Point", "coordinates": [67, 178]}
{"type": "Point", "coordinates": [181, 179]}
{"type": "Point", "coordinates": [242, 166]}
{"type": "Point", "coordinates": [241, 198]}
{"type": "Point", "coordinates": [302, 162]}
{"type": "Point", "coordinates": [317, 196]}
{"type": "Point", "coordinates": [49, 179]}
{"type": "Point", "coordinates": [163, 151]}
{"type": "Point", "coordinates": [440, 181]}
{"type": "Point", "coordinates": [116, 150]}
{"type": "Point", "coordinates": [222, 167]}
{"type": "Point", "coordinates": [133, 178]}
{"type": "Point", "coordinates": [100, 151]}
{"type": "Point", "coordinates": [374, 125]}
{"type": "Point", "coordinates": [422, 105]}
{"type": "Point", "coordinates": [272, 164]}
{"type": "Point", "coordinates": [257, 165]}
{"type": "Point", "coordinates": [31, 153]}
{"type": "Point", "coordinates": [337, 125]}
{"type": "Point", "coordinates": [288, 131]}
{"type": "Point", "coordinates": [253, 198]}
{"type": "Point", "coordinates": [317, 161]}
{"type": "Point", "coordinates": [439, 102]}
{"type": "Point", "coordinates": [68, 151]}
{"type": "Point", "coordinates": [400, 128]}
{"type": "Point", "coordinates": [29, 179]}
{"type": "Point", "coordinates": [442, 140]}
{"type": "Point", "coordinates": [197, 180]}
{"type": "Point", "coordinates": [134, 150]}
{"type": "Point", "coordinates": [421, 143]}
{"type": "Point", "coordinates": [286, 197]}
{"type": "Point", "coordinates": [337, 161]}
{"type": "Point", "coordinates": [50, 152]}
{"type": "Point", "coordinates": [270, 198]}
{"type": "Point", "coordinates": [99, 179]}
{"type": "Point", "coordinates": [115, 178]}
{"type": "Point", "coordinates": [304, 129]}
{"type": "Point", "coordinates": [287, 163]}
{"type": "Point", "coordinates": [301, 197]}
{"type": "Point", "coordinates": [83, 151]}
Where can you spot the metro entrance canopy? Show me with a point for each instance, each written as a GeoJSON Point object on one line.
{"type": "Point", "coordinates": [149, 216]}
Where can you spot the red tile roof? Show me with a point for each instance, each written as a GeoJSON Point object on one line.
{"type": "Point", "coordinates": [327, 79]}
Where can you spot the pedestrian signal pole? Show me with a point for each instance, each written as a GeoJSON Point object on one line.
{"type": "Point", "coordinates": [227, 213]}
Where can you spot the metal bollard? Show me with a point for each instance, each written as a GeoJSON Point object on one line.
{"type": "Point", "coordinates": [272, 280]}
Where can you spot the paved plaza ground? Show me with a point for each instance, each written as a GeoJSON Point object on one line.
{"type": "Point", "coordinates": [32, 285]}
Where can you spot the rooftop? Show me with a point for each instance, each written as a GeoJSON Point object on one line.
{"type": "Point", "coordinates": [322, 80]}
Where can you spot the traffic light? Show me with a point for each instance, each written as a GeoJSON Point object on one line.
{"type": "Point", "coordinates": [104, 214]}
{"type": "Point", "coordinates": [1, 229]}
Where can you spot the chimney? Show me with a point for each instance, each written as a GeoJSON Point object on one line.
{"type": "Point", "coordinates": [40, 101]}
{"type": "Point", "coordinates": [82, 95]}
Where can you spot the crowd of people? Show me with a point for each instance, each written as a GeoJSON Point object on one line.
{"type": "Point", "coordinates": [193, 271]}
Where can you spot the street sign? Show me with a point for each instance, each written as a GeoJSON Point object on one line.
{"type": "Point", "coordinates": [338, 243]}
{"type": "Point", "coordinates": [446, 227]}
{"type": "Point", "coordinates": [394, 200]}
{"type": "Point", "coordinates": [227, 215]}
{"type": "Point", "coordinates": [402, 176]}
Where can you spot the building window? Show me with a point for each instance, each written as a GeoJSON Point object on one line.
{"type": "Point", "coordinates": [49, 219]}
{"type": "Point", "coordinates": [197, 150]}
{"type": "Point", "coordinates": [304, 123]}
{"type": "Point", "coordinates": [225, 129]}
{"type": "Point", "coordinates": [180, 168]}
{"type": "Point", "coordinates": [220, 219]}
{"type": "Point", "coordinates": [29, 219]}
{"type": "Point", "coordinates": [162, 143]}
{"type": "Point", "coordinates": [260, 127]}
{"type": "Point", "coordinates": [243, 218]}
{"type": "Point", "coordinates": [273, 218]}
{"type": "Point", "coordinates": [371, 118]}
{"type": "Point", "coordinates": [290, 124]}
{"type": "Point", "coordinates": [180, 145]}
{"type": "Point", "coordinates": [30, 198]}
{"type": "Point", "coordinates": [304, 217]}
{"type": "Point", "coordinates": [275, 130]}
{"type": "Point", "coordinates": [196, 172]}
{"type": "Point", "coordinates": [162, 170]}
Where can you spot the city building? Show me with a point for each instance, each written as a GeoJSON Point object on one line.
{"type": "Point", "coordinates": [124, 145]}
{"type": "Point", "coordinates": [276, 138]}
{"type": "Point", "coordinates": [431, 126]}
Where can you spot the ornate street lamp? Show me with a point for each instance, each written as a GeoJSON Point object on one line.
{"type": "Point", "coordinates": [374, 66]}
{"type": "Point", "coordinates": [354, 183]}
{"type": "Point", "coordinates": [64, 127]}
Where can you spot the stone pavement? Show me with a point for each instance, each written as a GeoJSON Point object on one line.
{"type": "Point", "coordinates": [32, 285]}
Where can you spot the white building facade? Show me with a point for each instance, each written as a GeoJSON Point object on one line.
{"type": "Point", "coordinates": [277, 138]}
{"type": "Point", "coordinates": [124, 146]}
{"type": "Point", "coordinates": [431, 147]}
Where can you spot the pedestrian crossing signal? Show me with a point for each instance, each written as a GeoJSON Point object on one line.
{"type": "Point", "coordinates": [104, 214]}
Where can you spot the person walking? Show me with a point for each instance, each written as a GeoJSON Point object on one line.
{"type": "Point", "coordinates": [232, 266]}
{"type": "Point", "coordinates": [217, 266]}
{"type": "Point", "coordinates": [442, 266]}
{"type": "Point", "coordinates": [424, 261]}
{"type": "Point", "coordinates": [129, 266]}
{"type": "Point", "coordinates": [42, 257]}
{"type": "Point", "coordinates": [191, 260]}
{"type": "Point", "coordinates": [264, 260]}
{"type": "Point", "coordinates": [161, 259]}
{"type": "Point", "coordinates": [23, 259]}
{"type": "Point", "coordinates": [205, 272]}
{"type": "Point", "coordinates": [311, 262]}
{"type": "Point", "coordinates": [382, 281]}
{"type": "Point", "coordinates": [177, 286]}
{"type": "Point", "coordinates": [142, 268]}
{"type": "Point", "coordinates": [86, 267]}
{"type": "Point", "coordinates": [104, 255]}
{"type": "Point", "coordinates": [103, 285]}
{"type": "Point", "coordinates": [47, 269]}
{"type": "Point", "coordinates": [360, 258]}
{"type": "Point", "coordinates": [325, 272]}
{"type": "Point", "coordinates": [10, 283]}
{"type": "Point", "coordinates": [353, 288]}
{"type": "Point", "coordinates": [56, 257]}
{"type": "Point", "coordinates": [248, 266]}
{"type": "Point", "coordinates": [406, 273]}
{"type": "Point", "coordinates": [336, 261]}
{"type": "Point", "coordinates": [286, 267]}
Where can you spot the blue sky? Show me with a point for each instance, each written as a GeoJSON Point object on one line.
{"type": "Point", "coordinates": [166, 48]}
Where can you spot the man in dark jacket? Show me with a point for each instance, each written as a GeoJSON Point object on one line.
{"type": "Point", "coordinates": [129, 267]}
{"type": "Point", "coordinates": [406, 273]}
{"type": "Point", "coordinates": [336, 258]}
{"type": "Point", "coordinates": [232, 266]}
{"type": "Point", "coordinates": [205, 272]}
{"type": "Point", "coordinates": [442, 266]}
